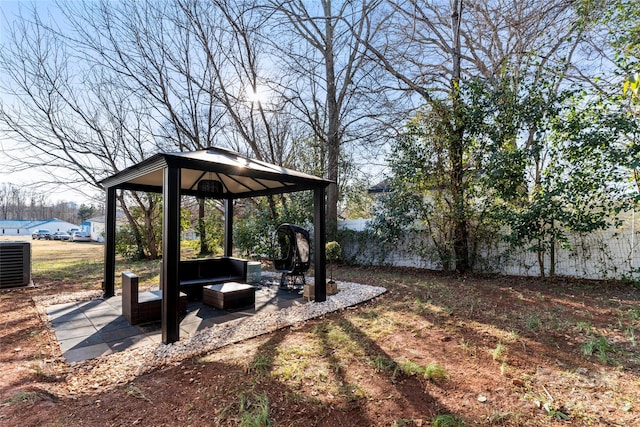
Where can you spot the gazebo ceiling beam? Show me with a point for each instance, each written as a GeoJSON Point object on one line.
{"type": "Point", "coordinates": [237, 181]}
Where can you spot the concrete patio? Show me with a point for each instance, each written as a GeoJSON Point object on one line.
{"type": "Point", "coordinates": [89, 329]}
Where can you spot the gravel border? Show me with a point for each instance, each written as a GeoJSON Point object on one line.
{"type": "Point", "coordinates": [121, 367]}
{"type": "Point", "coordinates": [240, 329]}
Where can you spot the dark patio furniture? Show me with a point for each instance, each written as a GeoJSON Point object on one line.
{"type": "Point", "coordinates": [229, 295]}
{"type": "Point", "coordinates": [293, 255]}
{"type": "Point", "coordinates": [143, 307]}
{"type": "Point", "coordinates": [196, 273]}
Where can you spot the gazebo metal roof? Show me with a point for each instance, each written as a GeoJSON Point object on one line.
{"type": "Point", "coordinates": [239, 175]}
{"type": "Point", "coordinates": [212, 173]}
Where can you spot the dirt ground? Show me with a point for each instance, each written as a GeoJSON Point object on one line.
{"type": "Point", "coordinates": [435, 349]}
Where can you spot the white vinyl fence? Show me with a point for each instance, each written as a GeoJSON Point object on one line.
{"type": "Point", "coordinates": [609, 254]}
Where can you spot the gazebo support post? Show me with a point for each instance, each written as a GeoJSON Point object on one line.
{"type": "Point", "coordinates": [228, 227]}
{"type": "Point", "coordinates": [108, 283]}
{"type": "Point", "coordinates": [320, 260]}
{"type": "Point", "coordinates": [171, 256]}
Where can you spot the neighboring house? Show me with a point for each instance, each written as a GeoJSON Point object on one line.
{"type": "Point", "coordinates": [189, 234]}
{"type": "Point", "coordinates": [95, 225]}
{"type": "Point", "coordinates": [15, 227]}
{"type": "Point", "coordinates": [360, 224]}
{"type": "Point", "coordinates": [24, 227]}
{"type": "Point", "coordinates": [383, 186]}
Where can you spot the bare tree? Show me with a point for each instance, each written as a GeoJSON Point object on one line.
{"type": "Point", "coordinates": [321, 47]}
{"type": "Point", "coordinates": [194, 66]}
{"type": "Point", "coordinates": [131, 77]}
{"type": "Point", "coordinates": [70, 117]}
{"type": "Point", "coordinates": [4, 200]}
{"type": "Point", "coordinates": [257, 120]}
{"type": "Point", "coordinates": [36, 73]}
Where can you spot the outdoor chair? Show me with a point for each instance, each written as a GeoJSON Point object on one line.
{"type": "Point", "coordinates": [143, 307]}
{"type": "Point", "coordinates": [292, 255]}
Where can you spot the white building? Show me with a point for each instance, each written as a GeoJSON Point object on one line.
{"type": "Point", "coordinates": [23, 227]}
{"type": "Point", "coordinates": [95, 225]}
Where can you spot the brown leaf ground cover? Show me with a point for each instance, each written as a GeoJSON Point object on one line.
{"type": "Point", "coordinates": [436, 349]}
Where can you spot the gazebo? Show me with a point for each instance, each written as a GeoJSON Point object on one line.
{"type": "Point", "coordinates": [212, 173]}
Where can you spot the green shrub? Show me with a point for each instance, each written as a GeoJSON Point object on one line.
{"type": "Point", "coordinates": [447, 420]}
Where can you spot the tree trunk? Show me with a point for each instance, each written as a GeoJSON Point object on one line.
{"type": "Point", "coordinates": [273, 208]}
{"type": "Point", "coordinates": [134, 227]}
{"type": "Point", "coordinates": [202, 229]}
{"type": "Point", "coordinates": [333, 131]}
{"type": "Point", "coordinates": [456, 151]}
{"type": "Point", "coordinates": [461, 231]}
{"type": "Point", "coordinates": [541, 257]}
{"type": "Point", "coordinates": [152, 245]}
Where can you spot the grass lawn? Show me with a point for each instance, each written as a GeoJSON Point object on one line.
{"type": "Point", "coordinates": [436, 349]}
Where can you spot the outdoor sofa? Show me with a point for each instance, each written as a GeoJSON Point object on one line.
{"type": "Point", "coordinates": [197, 273]}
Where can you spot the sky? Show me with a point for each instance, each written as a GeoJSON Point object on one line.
{"type": "Point", "coordinates": [8, 10]}
{"type": "Point", "coordinates": [31, 177]}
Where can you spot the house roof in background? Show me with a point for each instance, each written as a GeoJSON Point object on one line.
{"type": "Point", "coordinates": [100, 219]}
{"type": "Point", "coordinates": [29, 223]}
{"type": "Point", "coordinates": [383, 186]}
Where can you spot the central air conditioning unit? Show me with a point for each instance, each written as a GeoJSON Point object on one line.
{"type": "Point", "coordinates": [15, 264]}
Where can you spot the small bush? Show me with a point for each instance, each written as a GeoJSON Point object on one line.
{"type": "Point", "coordinates": [26, 397]}
{"type": "Point", "coordinates": [254, 410]}
{"type": "Point", "coordinates": [447, 420]}
{"type": "Point", "coordinates": [431, 372]}
{"type": "Point", "coordinates": [126, 244]}
{"type": "Point", "coordinates": [598, 345]}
